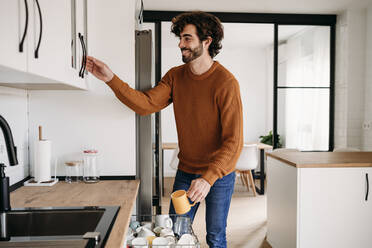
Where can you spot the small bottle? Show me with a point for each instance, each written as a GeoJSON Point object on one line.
{"type": "Point", "coordinates": [4, 191]}
{"type": "Point", "coordinates": [90, 167]}
{"type": "Point", "coordinates": [4, 204]}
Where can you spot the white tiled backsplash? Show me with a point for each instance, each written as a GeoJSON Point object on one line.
{"type": "Point", "coordinates": [14, 108]}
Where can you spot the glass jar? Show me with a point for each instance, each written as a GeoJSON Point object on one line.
{"type": "Point", "coordinates": [73, 171]}
{"type": "Point", "coordinates": [90, 167]}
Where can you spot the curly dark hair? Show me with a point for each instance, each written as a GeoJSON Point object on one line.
{"type": "Point", "coordinates": [206, 25]}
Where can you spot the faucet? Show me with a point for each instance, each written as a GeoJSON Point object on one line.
{"type": "Point", "coordinates": [4, 180]}
{"type": "Point", "coordinates": [12, 150]}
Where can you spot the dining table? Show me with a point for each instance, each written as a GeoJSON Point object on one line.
{"type": "Point", "coordinates": [256, 175]}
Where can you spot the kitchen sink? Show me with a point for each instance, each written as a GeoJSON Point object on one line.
{"type": "Point", "coordinates": [57, 224]}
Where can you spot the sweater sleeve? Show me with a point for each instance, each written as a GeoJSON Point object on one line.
{"type": "Point", "coordinates": [146, 102]}
{"type": "Point", "coordinates": [231, 118]}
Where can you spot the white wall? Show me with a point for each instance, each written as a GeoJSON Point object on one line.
{"type": "Point", "coordinates": [356, 76]}
{"type": "Point", "coordinates": [74, 120]}
{"type": "Point", "coordinates": [340, 128]}
{"type": "Point", "coordinates": [14, 108]}
{"type": "Point", "coordinates": [367, 134]}
{"type": "Point", "coordinates": [353, 78]}
{"type": "Point", "coordinates": [248, 64]}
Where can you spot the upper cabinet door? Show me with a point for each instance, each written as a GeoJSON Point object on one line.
{"type": "Point", "coordinates": [50, 39]}
{"type": "Point", "coordinates": [80, 15]}
{"type": "Point", "coordinates": [13, 30]}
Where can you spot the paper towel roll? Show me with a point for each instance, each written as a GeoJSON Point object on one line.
{"type": "Point", "coordinates": [42, 165]}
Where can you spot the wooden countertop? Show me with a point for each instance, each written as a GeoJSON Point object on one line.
{"type": "Point", "coordinates": [260, 146]}
{"type": "Point", "coordinates": [121, 193]}
{"type": "Point", "coordinates": [324, 159]}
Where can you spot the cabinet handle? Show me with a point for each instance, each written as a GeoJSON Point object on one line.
{"type": "Point", "coordinates": [82, 68]}
{"type": "Point", "coordinates": [367, 187]}
{"type": "Point", "coordinates": [25, 31]}
{"type": "Point", "coordinates": [41, 30]}
{"type": "Point", "coordinates": [85, 56]}
{"type": "Point", "coordinates": [140, 15]}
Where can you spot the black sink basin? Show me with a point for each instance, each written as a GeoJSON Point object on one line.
{"type": "Point", "coordinates": [53, 222]}
{"type": "Point", "coordinates": [56, 224]}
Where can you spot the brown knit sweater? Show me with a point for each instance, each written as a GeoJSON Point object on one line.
{"type": "Point", "coordinates": [208, 113]}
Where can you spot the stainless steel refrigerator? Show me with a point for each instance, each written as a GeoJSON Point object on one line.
{"type": "Point", "coordinates": [148, 136]}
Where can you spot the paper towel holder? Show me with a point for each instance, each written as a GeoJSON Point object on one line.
{"type": "Point", "coordinates": [40, 133]}
{"type": "Point", "coordinates": [32, 181]}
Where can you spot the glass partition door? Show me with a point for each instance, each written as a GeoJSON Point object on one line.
{"type": "Point", "coordinates": [303, 87]}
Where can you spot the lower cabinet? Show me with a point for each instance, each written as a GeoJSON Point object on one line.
{"type": "Point", "coordinates": [318, 207]}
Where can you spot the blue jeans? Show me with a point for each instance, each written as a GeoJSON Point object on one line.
{"type": "Point", "coordinates": [217, 205]}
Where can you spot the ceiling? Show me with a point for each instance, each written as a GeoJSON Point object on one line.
{"type": "Point", "coordinates": [258, 6]}
{"type": "Point", "coordinates": [238, 35]}
{"type": "Point", "coordinates": [245, 35]}
{"type": "Point", "coordinates": [256, 35]}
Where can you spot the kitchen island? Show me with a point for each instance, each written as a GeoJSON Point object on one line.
{"type": "Point", "coordinates": [319, 199]}
{"type": "Point", "coordinates": [121, 193]}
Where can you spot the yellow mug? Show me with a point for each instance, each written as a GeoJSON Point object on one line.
{"type": "Point", "coordinates": [180, 202]}
{"type": "Point", "coordinates": [150, 239]}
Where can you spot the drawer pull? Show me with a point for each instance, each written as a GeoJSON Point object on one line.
{"type": "Point", "coordinates": [82, 68]}
{"type": "Point", "coordinates": [367, 191]}
{"type": "Point", "coordinates": [25, 31]}
{"type": "Point", "coordinates": [41, 30]}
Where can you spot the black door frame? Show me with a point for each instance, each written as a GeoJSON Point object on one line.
{"type": "Point", "coordinates": [269, 18]}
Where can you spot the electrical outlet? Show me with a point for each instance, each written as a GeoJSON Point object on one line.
{"type": "Point", "coordinates": [367, 125]}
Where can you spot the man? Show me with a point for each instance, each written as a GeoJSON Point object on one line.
{"type": "Point", "coordinates": [208, 113]}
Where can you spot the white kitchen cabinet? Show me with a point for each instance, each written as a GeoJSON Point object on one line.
{"type": "Point", "coordinates": [80, 34]}
{"type": "Point", "coordinates": [12, 28]}
{"type": "Point", "coordinates": [281, 204]}
{"type": "Point", "coordinates": [318, 207]}
{"type": "Point", "coordinates": [46, 62]}
{"type": "Point", "coordinates": [51, 38]}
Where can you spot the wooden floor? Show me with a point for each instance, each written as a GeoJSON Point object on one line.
{"type": "Point", "coordinates": [246, 224]}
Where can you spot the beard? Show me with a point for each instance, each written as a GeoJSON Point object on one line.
{"type": "Point", "coordinates": [193, 53]}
